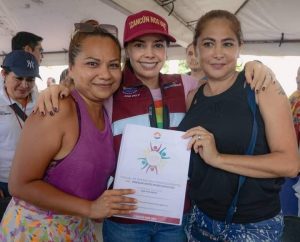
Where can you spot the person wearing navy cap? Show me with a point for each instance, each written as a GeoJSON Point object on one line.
{"type": "Point", "coordinates": [17, 99]}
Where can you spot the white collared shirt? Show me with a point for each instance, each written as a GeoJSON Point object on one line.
{"type": "Point", "coordinates": [10, 130]}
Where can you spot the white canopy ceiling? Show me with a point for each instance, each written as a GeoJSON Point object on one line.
{"type": "Point", "coordinates": [270, 27]}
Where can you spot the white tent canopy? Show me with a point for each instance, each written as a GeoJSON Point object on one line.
{"type": "Point", "coordinates": [270, 27]}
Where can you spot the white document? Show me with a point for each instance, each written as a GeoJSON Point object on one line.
{"type": "Point", "coordinates": [155, 163]}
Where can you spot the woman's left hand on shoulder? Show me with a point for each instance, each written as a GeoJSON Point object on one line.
{"type": "Point", "coordinates": [259, 76]}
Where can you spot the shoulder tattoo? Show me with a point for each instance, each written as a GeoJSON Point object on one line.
{"type": "Point", "coordinates": [279, 89]}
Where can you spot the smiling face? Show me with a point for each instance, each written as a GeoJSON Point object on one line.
{"type": "Point", "coordinates": [219, 48]}
{"type": "Point", "coordinates": [97, 70]}
{"type": "Point", "coordinates": [147, 55]}
{"type": "Point", "coordinates": [18, 88]}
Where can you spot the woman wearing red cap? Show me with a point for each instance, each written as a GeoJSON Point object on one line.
{"type": "Point", "coordinates": [149, 98]}
{"type": "Point", "coordinates": [157, 99]}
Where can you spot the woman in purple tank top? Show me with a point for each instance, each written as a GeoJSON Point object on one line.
{"type": "Point", "coordinates": [57, 181]}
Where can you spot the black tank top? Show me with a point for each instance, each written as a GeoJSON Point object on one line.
{"type": "Point", "coordinates": [229, 118]}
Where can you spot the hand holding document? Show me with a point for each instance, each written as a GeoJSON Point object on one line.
{"type": "Point", "coordinates": [155, 163]}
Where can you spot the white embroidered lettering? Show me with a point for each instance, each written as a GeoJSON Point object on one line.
{"type": "Point", "coordinates": [30, 64]}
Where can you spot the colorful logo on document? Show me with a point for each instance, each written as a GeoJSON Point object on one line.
{"type": "Point", "coordinates": [155, 156]}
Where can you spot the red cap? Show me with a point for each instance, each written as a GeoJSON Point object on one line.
{"type": "Point", "coordinates": [145, 22]}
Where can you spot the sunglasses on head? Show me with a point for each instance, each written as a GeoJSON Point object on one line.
{"type": "Point", "coordinates": [89, 28]}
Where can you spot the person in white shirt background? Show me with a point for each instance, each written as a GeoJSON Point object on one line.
{"type": "Point", "coordinates": [19, 70]}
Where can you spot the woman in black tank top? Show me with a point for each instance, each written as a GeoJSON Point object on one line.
{"type": "Point", "coordinates": [243, 143]}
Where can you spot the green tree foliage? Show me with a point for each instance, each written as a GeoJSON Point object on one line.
{"type": "Point", "coordinates": [165, 68]}
{"type": "Point", "coordinates": [182, 67]}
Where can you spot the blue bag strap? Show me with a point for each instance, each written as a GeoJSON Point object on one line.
{"type": "Point", "coordinates": [250, 150]}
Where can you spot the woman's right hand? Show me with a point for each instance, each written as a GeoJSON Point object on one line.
{"type": "Point", "coordinates": [113, 202]}
{"type": "Point", "coordinates": [48, 99]}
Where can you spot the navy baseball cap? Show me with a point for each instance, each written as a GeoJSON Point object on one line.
{"type": "Point", "coordinates": [22, 63]}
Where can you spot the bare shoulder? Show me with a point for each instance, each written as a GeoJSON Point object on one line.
{"type": "Point", "coordinates": [273, 103]}
{"type": "Point", "coordinates": [277, 89]}
{"type": "Point", "coordinates": [67, 110]}
{"type": "Point", "coordinates": [67, 107]}
{"type": "Point", "coordinates": [273, 94]}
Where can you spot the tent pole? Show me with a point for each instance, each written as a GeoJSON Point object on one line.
{"type": "Point", "coordinates": [242, 6]}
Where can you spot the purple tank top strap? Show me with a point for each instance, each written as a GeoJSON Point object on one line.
{"type": "Point", "coordinates": [84, 172]}
{"type": "Point", "coordinates": [84, 117]}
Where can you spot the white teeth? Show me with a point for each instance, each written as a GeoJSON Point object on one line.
{"type": "Point", "coordinates": [102, 84]}
{"type": "Point", "coordinates": [148, 65]}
